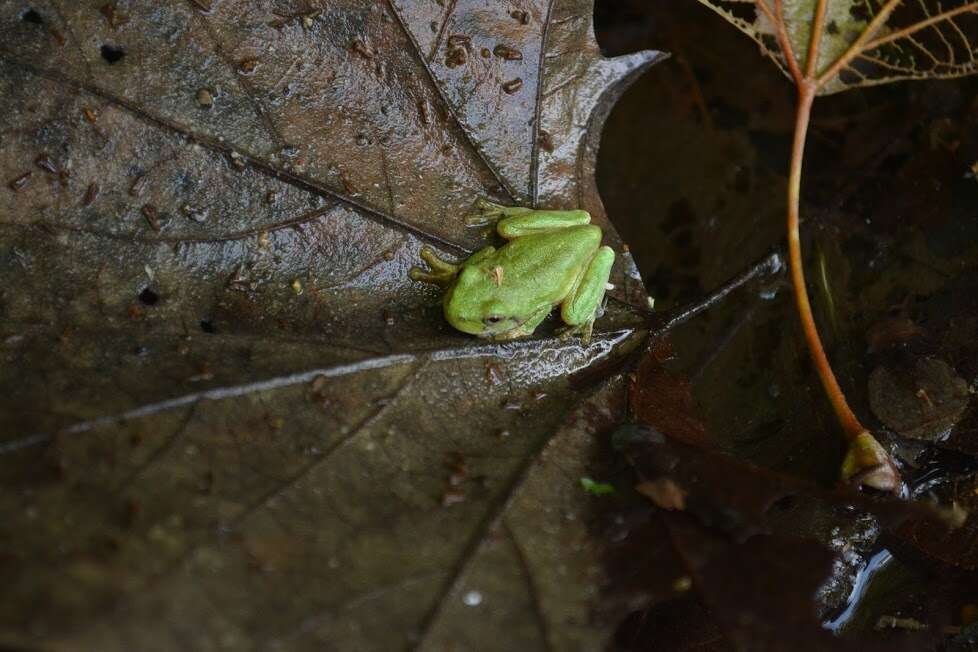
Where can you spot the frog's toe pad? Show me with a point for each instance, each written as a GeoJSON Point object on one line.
{"type": "Point", "coordinates": [435, 278]}
{"type": "Point", "coordinates": [487, 207]}
{"type": "Point", "coordinates": [583, 330]}
{"type": "Point", "coordinates": [485, 213]}
{"type": "Point", "coordinates": [438, 265]}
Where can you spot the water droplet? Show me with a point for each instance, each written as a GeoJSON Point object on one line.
{"type": "Point", "coordinates": [472, 599]}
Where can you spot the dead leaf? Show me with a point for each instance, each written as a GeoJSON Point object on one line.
{"type": "Point", "coordinates": [195, 453]}
{"type": "Point", "coordinates": [681, 624]}
{"type": "Point", "coordinates": [664, 399]}
{"type": "Point", "coordinates": [892, 39]}
{"type": "Point", "coordinates": [757, 576]}
{"type": "Point", "coordinates": [665, 493]}
{"type": "Point", "coordinates": [922, 398]}
{"type": "Point", "coordinates": [958, 549]}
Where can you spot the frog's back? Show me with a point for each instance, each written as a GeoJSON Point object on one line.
{"type": "Point", "coordinates": [553, 248]}
{"type": "Point", "coordinates": [550, 261]}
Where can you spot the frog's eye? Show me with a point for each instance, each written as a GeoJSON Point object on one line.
{"type": "Point", "coordinates": [493, 319]}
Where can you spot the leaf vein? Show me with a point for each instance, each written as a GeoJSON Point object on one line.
{"type": "Point", "coordinates": [450, 109]}
{"type": "Point", "coordinates": [259, 164]}
{"type": "Point", "coordinates": [441, 30]}
{"type": "Point", "coordinates": [538, 109]}
{"type": "Point", "coordinates": [242, 82]}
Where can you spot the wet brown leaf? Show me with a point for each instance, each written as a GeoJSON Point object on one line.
{"type": "Point", "coordinates": [718, 546]}
{"type": "Point", "coordinates": [235, 421]}
{"type": "Point", "coordinates": [664, 399]}
{"type": "Point", "coordinates": [757, 574]}
{"type": "Point", "coordinates": [921, 398]}
{"type": "Point", "coordinates": [957, 550]}
{"type": "Point", "coordinates": [681, 624]}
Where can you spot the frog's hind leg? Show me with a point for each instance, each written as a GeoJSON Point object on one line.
{"type": "Point", "coordinates": [584, 330]}
{"type": "Point", "coordinates": [514, 226]}
{"type": "Point", "coordinates": [528, 326]}
{"type": "Point", "coordinates": [580, 309]}
{"type": "Point", "coordinates": [515, 221]}
{"type": "Point", "coordinates": [487, 212]}
{"type": "Point", "coordinates": [442, 272]}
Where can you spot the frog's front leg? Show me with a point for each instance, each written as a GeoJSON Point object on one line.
{"type": "Point", "coordinates": [516, 221]}
{"type": "Point", "coordinates": [527, 327]}
{"type": "Point", "coordinates": [443, 272]}
{"type": "Point", "coordinates": [580, 308]}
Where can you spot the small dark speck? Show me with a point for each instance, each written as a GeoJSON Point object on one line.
{"type": "Point", "coordinates": [742, 179]}
{"type": "Point", "coordinates": [207, 326]}
{"type": "Point", "coordinates": [783, 504]}
{"type": "Point", "coordinates": [91, 194]}
{"type": "Point", "coordinates": [683, 239]}
{"type": "Point", "coordinates": [148, 298]}
{"type": "Point", "coordinates": [112, 54]}
{"type": "Point", "coordinates": [31, 16]}
{"type": "Point", "coordinates": [20, 182]}
{"type": "Point", "coordinates": [513, 86]}
{"type": "Point", "coordinates": [248, 65]}
{"type": "Point", "coordinates": [508, 53]}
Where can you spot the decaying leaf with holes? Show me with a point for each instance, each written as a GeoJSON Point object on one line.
{"type": "Point", "coordinates": [889, 40]}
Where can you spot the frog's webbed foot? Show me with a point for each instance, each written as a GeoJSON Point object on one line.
{"type": "Point", "coordinates": [585, 330]}
{"type": "Point", "coordinates": [487, 212]}
{"type": "Point", "coordinates": [442, 272]}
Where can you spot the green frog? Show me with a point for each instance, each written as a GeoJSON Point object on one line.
{"type": "Point", "coordinates": [550, 258]}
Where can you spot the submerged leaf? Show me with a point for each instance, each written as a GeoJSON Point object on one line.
{"type": "Point", "coordinates": [922, 398]}
{"type": "Point", "coordinates": [957, 549]}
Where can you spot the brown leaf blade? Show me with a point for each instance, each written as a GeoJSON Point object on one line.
{"type": "Point", "coordinates": [240, 424]}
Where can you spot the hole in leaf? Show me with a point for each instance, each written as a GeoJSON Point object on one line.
{"type": "Point", "coordinates": [149, 298]}
{"type": "Point", "coordinates": [112, 54]}
{"type": "Point", "coordinates": [207, 326]}
{"type": "Point", "coordinates": [31, 16]}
